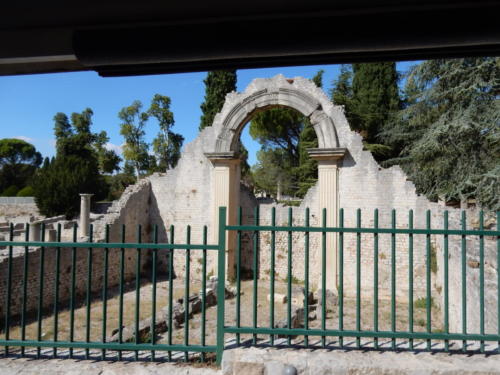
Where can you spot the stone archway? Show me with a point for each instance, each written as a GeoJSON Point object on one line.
{"type": "Point", "coordinates": [302, 95]}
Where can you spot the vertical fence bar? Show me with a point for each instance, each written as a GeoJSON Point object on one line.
{"type": "Point", "coordinates": [221, 269]}
{"type": "Point", "coordinates": [9, 291]}
{"type": "Point", "coordinates": [255, 264]}
{"type": "Point", "coordinates": [464, 280]}
{"type": "Point", "coordinates": [290, 276]}
{"type": "Point", "coordinates": [25, 288]}
{"type": "Point", "coordinates": [341, 275]}
{"type": "Point", "coordinates": [358, 276]}
{"type": "Point", "coordinates": [410, 277]}
{"type": "Point", "coordinates": [498, 279]}
{"type": "Point", "coordinates": [375, 276]}
{"type": "Point", "coordinates": [203, 292]}
{"type": "Point", "coordinates": [445, 256]}
{"type": "Point", "coordinates": [89, 291]}
{"type": "Point", "coordinates": [40, 291]}
{"type": "Point", "coordinates": [137, 290]}
{"type": "Point", "coordinates": [186, 292]}
{"type": "Point", "coordinates": [481, 279]}
{"type": "Point", "coordinates": [122, 281]}
{"type": "Point", "coordinates": [306, 277]}
{"type": "Point", "coordinates": [152, 330]}
{"type": "Point", "coordinates": [72, 293]}
{"type": "Point", "coordinates": [56, 289]}
{"type": "Point", "coordinates": [105, 290]}
{"type": "Point", "coordinates": [272, 276]}
{"type": "Point", "coordinates": [428, 299]}
{"type": "Point", "coordinates": [323, 276]}
{"type": "Point", "coordinates": [238, 277]}
{"type": "Point", "coordinates": [393, 277]}
{"type": "Point", "coordinates": [170, 289]}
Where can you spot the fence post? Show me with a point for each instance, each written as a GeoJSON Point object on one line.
{"type": "Point", "coordinates": [221, 277]}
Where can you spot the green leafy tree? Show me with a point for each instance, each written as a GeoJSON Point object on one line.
{"type": "Point", "coordinates": [278, 127]}
{"type": "Point", "coordinates": [449, 131]}
{"type": "Point", "coordinates": [18, 162]}
{"type": "Point", "coordinates": [375, 95]}
{"type": "Point", "coordinates": [167, 144]}
{"type": "Point", "coordinates": [272, 171]}
{"type": "Point", "coordinates": [341, 92]}
{"type": "Point", "coordinates": [108, 160]}
{"type": "Point", "coordinates": [135, 149]}
{"type": "Point", "coordinates": [77, 136]}
{"type": "Point", "coordinates": [74, 170]}
{"type": "Point", "coordinates": [57, 185]}
{"type": "Point", "coordinates": [369, 93]}
{"type": "Point", "coordinates": [217, 85]}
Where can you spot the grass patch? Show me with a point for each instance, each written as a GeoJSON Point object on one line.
{"type": "Point", "coordinates": [290, 203]}
{"type": "Point", "coordinates": [421, 303]}
{"type": "Point", "coordinates": [434, 263]}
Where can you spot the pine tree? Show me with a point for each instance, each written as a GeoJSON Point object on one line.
{"type": "Point", "coordinates": [449, 132]}
{"type": "Point", "coordinates": [369, 95]}
{"type": "Point", "coordinates": [217, 85]}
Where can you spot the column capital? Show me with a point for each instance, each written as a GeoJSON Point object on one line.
{"type": "Point", "coordinates": [85, 195]}
{"type": "Point", "coordinates": [230, 157]}
{"type": "Point", "coordinates": [336, 153]}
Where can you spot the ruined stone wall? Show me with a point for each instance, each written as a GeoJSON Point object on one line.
{"type": "Point", "coordinates": [18, 212]}
{"type": "Point", "coordinates": [132, 209]}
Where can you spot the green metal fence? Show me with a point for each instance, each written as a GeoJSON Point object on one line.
{"type": "Point", "coordinates": [104, 250]}
{"type": "Point", "coordinates": [256, 332]}
{"type": "Point", "coordinates": [399, 339]}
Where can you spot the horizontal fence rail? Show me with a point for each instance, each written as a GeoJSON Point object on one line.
{"type": "Point", "coordinates": [107, 295]}
{"type": "Point", "coordinates": [352, 310]}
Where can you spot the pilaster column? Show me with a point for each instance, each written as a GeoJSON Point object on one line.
{"type": "Point", "coordinates": [328, 161]}
{"type": "Point", "coordinates": [226, 192]}
{"type": "Point", "coordinates": [85, 214]}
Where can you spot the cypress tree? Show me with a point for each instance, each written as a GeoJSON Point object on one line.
{"type": "Point", "coordinates": [369, 94]}
{"type": "Point", "coordinates": [217, 85]}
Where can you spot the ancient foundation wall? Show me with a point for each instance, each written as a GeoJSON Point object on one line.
{"type": "Point", "coordinates": [17, 212]}
{"type": "Point", "coordinates": [132, 209]}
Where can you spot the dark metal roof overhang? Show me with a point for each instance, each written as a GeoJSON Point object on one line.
{"type": "Point", "coordinates": [131, 38]}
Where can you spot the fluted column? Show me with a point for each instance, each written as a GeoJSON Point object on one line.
{"type": "Point", "coordinates": [328, 161]}
{"type": "Point", "coordinates": [226, 193]}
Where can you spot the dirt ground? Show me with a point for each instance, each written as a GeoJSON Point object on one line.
{"type": "Point", "coordinates": [263, 310]}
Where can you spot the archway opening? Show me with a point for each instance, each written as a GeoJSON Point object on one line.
{"type": "Point", "coordinates": [275, 163]}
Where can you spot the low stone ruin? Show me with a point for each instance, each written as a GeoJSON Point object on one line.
{"type": "Point", "coordinates": [194, 303]}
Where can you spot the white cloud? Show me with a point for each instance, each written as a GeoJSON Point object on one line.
{"type": "Point", "coordinates": [26, 139]}
{"type": "Point", "coordinates": [116, 148]}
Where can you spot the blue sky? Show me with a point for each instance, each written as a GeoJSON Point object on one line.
{"type": "Point", "coordinates": [28, 103]}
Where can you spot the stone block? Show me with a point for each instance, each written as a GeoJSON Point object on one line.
{"type": "Point", "coordinates": [278, 298]}
{"type": "Point", "coordinates": [248, 368]}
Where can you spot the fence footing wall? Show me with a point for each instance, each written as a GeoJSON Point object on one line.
{"type": "Point", "coordinates": [253, 360]}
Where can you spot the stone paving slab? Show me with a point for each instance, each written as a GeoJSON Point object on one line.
{"type": "Point", "coordinates": [15, 366]}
